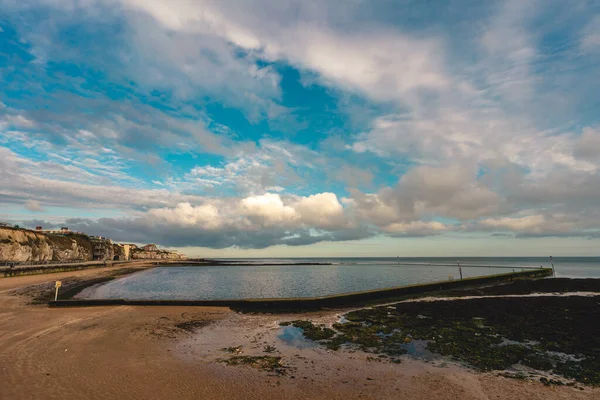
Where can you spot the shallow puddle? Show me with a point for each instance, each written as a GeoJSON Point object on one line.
{"type": "Point", "coordinates": [418, 349]}
{"type": "Point", "coordinates": [292, 336]}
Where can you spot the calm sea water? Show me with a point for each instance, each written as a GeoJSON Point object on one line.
{"type": "Point", "coordinates": [344, 276]}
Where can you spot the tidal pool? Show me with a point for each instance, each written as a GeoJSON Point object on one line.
{"type": "Point", "coordinates": [269, 281]}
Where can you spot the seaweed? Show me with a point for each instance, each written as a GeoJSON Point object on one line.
{"type": "Point", "coordinates": [269, 349]}
{"type": "Point", "coordinates": [233, 350]}
{"type": "Point", "coordinates": [192, 325]}
{"type": "Point", "coordinates": [265, 363]}
{"type": "Point", "coordinates": [489, 334]}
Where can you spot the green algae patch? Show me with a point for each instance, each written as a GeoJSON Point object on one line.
{"type": "Point", "coordinates": [557, 335]}
{"type": "Point", "coordinates": [264, 363]}
{"type": "Point", "coordinates": [375, 339]}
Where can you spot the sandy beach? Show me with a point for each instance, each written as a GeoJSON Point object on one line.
{"type": "Point", "coordinates": [173, 353]}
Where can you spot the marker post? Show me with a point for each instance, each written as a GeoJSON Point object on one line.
{"type": "Point", "coordinates": [57, 285]}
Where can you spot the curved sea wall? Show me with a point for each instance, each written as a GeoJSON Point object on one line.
{"type": "Point", "coordinates": [284, 305]}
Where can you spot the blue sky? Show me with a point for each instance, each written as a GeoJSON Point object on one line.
{"type": "Point", "coordinates": [299, 128]}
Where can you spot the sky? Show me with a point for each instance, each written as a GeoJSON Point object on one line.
{"type": "Point", "coordinates": [240, 128]}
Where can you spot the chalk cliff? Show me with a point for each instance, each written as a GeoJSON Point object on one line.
{"type": "Point", "coordinates": [22, 245]}
{"type": "Point", "coordinates": [139, 254]}
{"type": "Point", "coordinates": [25, 245]}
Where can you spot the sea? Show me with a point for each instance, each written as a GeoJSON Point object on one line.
{"type": "Point", "coordinates": [280, 278]}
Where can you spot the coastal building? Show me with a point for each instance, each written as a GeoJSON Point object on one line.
{"type": "Point", "coordinates": [151, 251]}
{"type": "Point", "coordinates": [101, 248]}
{"type": "Point", "coordinates": [127, 249]}
{"type": "Point", "coordinates": [62, 231]}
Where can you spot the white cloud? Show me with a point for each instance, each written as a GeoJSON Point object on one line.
{"type": "Point", "coordinates": [544, 224]}
{"type": "Point", "coordinates": [587, 146]}
{"type": "Point", "coordinates": [321, 210]}
{"type": "Point", "coordinates": [199, 60]}
{"type": "Point", "coordinates": [63, 185]}
{"type": "Point", "coordinates": [380, 63]}
{"type": "Point", "coordinates": [196, 17]}
{"type": "Point", "coordinates": [268, 209]}
{"type": "Point", "coordinates": [511, 50]}
{"type": "Point", "coordinates": [415, 228]}
{"type": "Point", "coordinates": [379, 209]}
{"type": "Point", "coordinates": [384, 65]}
{"type": "Point", "coordinates": [469, 123]}
{"type": "Point", "coordinates": [33, 205]}
{"type": "Point", "coordinates": [15, 121]}
{"type": "Point", "coordinates": [206, 215]}
{"type": "Point", "coordinates": [268, 167]}
{"type": "Point", "coordinates": [528, 223]}
{"type": "Point", "coordinates": [421, 195]}
{"type": "Point", "coordinates": [590, 35]}
{"type": "Point", "coordinates": [451, 191]}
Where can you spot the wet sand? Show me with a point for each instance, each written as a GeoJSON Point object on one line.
{"type": "Point", "coordinates": [172, 352]}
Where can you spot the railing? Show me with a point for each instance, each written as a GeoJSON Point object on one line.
{"type": "Point", "coordinates": [465, 265]}
{"type": "Point", "coordinates": [4, 263]}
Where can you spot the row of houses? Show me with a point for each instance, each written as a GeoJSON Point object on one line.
{"type": "Point", "coordinates": [62, 231]}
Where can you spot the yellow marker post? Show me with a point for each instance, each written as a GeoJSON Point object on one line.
{"type": "Point", "coordinates": [57, 285]}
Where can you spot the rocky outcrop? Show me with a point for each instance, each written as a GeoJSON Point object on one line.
{"type": "Point", "coordinates": [71, 247]}
{"type": "Point", "coordinates": [24, 245]}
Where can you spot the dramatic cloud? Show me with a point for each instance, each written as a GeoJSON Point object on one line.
{"type": "Point", "coordinates": [366, 59]}
{"type": "Point", "coordinates": [257, 123]}
{"type": "Point", "coordinates": [426, 191]}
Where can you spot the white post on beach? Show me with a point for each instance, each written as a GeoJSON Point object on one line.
{"type": "Point", "coordinates": [459, 269]}
{"type": "Point", "coordinates": [57, 285]}
{"type": "Point", "coordinates": [553, 272]}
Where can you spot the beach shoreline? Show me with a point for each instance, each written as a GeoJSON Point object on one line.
{"type": "Point", "coordinates": [162, 353]}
